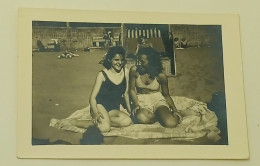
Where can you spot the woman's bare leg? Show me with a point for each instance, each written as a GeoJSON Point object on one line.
{"type": "Point", "coordinates": [119, 118]}
{"type": "Point", "coordinates": [165, 117]}
{"type": "Point", "coordinates": [104, 125]}
{"type": "Point", "coordinates": [145, 116]}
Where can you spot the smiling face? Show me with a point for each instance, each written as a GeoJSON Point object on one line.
{"type": "Point", "coordinates": [117, 62]}
{"type": "Point", "coordinates": [143, 60]}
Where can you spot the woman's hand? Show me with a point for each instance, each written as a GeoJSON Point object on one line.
{"type": "Point", "coordinates": [135, 110]}
{"type": "Point", "coordinates": [97, 117]}
{"type": "Point", "coordinates": [177, 113]}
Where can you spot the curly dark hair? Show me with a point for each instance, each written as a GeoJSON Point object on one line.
{"type": "Point", "coordinates": [111, 53]}
{"type": "Point", "coordinates": [154, 61]}
{"type": "Point", "coordinates": [92, 136]}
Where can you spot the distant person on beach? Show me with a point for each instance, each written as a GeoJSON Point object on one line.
{"type": "Point", "coordinates": [149, 91]}
{"type": "Point", "coordinates": [142, 43]}
{"type": "Point", "coordinates": [110, 88]}
{"type": "Point", "coordinates": [177, 43]}
{"type": "Point", "coordinates": [107, 40]}
{"type": "Point", "coordinates": [184, 43]}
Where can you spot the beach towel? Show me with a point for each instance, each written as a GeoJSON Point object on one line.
{"type": "Point", "coordinates": [191, 127]}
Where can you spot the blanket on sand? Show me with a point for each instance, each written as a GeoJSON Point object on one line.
{"type": "Point", "coordinates": [191, 127]}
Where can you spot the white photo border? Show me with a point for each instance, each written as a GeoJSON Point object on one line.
{"type": "Point", "coordinates": [234, 89]}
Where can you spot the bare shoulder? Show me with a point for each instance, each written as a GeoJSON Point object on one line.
{"type": "Point", "coordinates": [133, 71]}
{"type": "Point", "coordinates": [100, 76]}
{"type": "Point", "coordinates": [104, 70]}
{"type": "Point", "coordinates": [133, 68]}
{"type": "Point", "coordinates": [126, 71]}
{"type": "Point", "coordinates": [162, 77]}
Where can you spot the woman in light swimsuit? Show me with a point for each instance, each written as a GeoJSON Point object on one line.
{"type": "Point", "coordinates": [149, 91]}
{"type": "Point", "coordinates": [110, 87]}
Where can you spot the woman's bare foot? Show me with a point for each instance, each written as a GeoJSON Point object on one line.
{"type": "Point", "coordinates": [65, 122]}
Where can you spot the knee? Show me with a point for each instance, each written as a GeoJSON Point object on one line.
{"type": "Point", "coordinates": [104, 127]}
{"type": "Point", "coordinates": [125, 120]}
{"type": "Point", "coordinates": [144, 118]}
{"type": "Point", "coordinates": [170, 122]}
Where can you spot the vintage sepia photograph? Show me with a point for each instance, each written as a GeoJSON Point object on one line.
{"type": "Point", "coordinates": [99, 87]}
{"type": "Point", "coordinates": [122, 83]}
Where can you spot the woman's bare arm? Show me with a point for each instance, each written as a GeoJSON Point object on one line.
{"type": "Point", "coordinates": [95, 90]}
{"type": "Point", "coordinates": [162, 78]}
{"type": "Point", "coordinates": [126, 94]}
{"type": "Point", "coordinates": [132, 89]}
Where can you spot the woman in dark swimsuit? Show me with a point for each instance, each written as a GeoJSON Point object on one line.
{"type": "Point", "coordinates": [105, 99]}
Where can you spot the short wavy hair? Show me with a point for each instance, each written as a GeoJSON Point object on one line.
{"type": "Point", "coordinates": [111, 53]}
{"type": "Point", "coordinates": [154, 61]}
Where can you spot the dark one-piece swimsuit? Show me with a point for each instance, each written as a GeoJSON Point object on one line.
{"type": "Point", "coordinates": [110, 94]}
